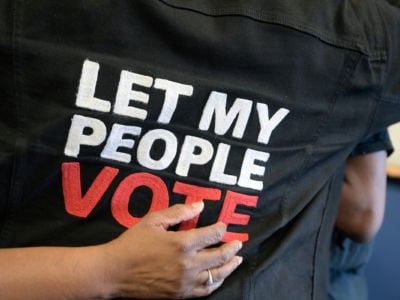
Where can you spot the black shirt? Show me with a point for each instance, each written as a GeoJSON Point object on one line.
{"type": "Point", "coordinates": [113, 109]}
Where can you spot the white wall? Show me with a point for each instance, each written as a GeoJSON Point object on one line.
{"type": "Point", "coordinates": [394, 132]}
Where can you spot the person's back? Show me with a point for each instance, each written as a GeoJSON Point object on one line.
{"type": "Point", "coordinates": [128, 107]}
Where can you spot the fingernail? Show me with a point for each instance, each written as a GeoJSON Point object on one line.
{"type": "Point", "coordinates": [240, 245]}
{"type": "Point", "coordinates": [222, 223]}
{"type": "Point", "coordinates": [198, 205]}
{"type": "Point", "coordinates": [239, 259]}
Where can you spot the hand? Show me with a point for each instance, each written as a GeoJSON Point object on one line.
{"type": "Point", "coordinates": [147, 261]}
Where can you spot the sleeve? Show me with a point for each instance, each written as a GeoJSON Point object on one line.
{"type": "Point", "coordinates": [376, 142]}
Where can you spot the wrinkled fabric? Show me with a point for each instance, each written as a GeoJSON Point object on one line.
{"type": "Point", "coordinates": [113, 109]}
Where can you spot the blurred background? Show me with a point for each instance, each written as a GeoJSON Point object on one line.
{"type": "Point", "coordinates": [383, 270]}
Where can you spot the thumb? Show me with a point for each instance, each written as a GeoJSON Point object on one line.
{"type": "Point", "coordinates": [176, 214]}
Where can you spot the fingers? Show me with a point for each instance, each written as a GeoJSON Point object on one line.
{"type": "Point", "coordinates": [175, 214]}
{"type": "Point", "coordinates": [219, 273]}
{"type": "Point", "coordinates": [212, 279]}
{"type": "Point", "coordinates": [196, 239]}
{"type": "Point", "coordinates": [214, 257]}
{"type": "Point", "coordinates": [219, 263]}
{"type": "Point", "coordinates": [200, 238]}
{"type": "Point", "coordinates": [187, 253]}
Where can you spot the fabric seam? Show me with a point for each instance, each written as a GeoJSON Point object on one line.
{"type": "Point", "coordinates": [358, 44]}
{"type": "Point", "coordinates": [348, 69]}
{"type": "Point", "coordinates": [316, 245]}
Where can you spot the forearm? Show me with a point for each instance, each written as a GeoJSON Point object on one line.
{"type": "Point", "coordinates": [146, 261]}
{"type": "Point", "coordinates": [52, 273]}
{"type": "Point", "coordinates": [362, 203]}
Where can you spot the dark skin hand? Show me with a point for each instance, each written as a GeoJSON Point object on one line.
{"type": "Point", "coordinates": [146, 261]}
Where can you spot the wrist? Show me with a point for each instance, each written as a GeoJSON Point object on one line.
{"type": "Point", "coordinates": [95, 277]}
{"type": "Point", "coordinates": [106, 282]}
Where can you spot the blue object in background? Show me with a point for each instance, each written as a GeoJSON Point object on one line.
{"type": "Point", "coordinates": [383, 270]}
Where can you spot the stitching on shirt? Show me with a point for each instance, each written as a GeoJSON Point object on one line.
{"type": "Point", "coordinates": [317, 239]}
{"type": "Point", "coordinates": [348, 70]}
{"type": "Point", "coordinates": [357, 43]}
